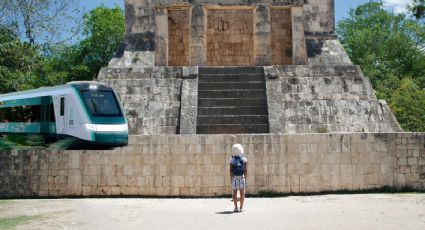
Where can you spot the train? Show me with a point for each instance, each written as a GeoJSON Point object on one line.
{"type": "Point", "coordinates": [89, 112]}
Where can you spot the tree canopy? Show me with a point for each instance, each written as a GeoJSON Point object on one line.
{"type": "Point", "coordinates": [388, 47]}
{"type": "Point", "coordinates": [104, 29]}
{"type": "Point", "coordinates": [418, 8]}
{"type": "Point", "coordinates": [41, 21]}
{"type": "Point", "coordinates": [25, 64]}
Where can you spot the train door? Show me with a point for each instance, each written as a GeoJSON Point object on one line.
{"type": "Point", "coordinates": [61, 122]}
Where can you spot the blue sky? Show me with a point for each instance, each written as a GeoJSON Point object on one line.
{"type": "Point", "coordinates": [342, 7]}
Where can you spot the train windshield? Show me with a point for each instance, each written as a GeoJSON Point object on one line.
{"type": "Point", "coordinates": [102, 103]}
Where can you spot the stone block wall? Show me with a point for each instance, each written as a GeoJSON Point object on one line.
{"type": "Point", "coordinates": [281, 36]}
{"type": "Point", "coordinates": [151, 97]}
{"type": "Point", "coordinates": [179, 31]}
{"type": "Point", "coordinates": [230, 37]}
{"type": "Point", "coordinates": [410, 156]}
{"type": "Point", "coordinates": [147, 30]}
{"type": "Point", "coordinates": [197, 165]}
{"type": "Point", "coordinates": [319, 18]}
{"type": "Point", "coordinates": [311, 99]}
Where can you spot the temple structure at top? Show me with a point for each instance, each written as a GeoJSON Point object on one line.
{"type": "Point", "coordinates": [225, 33]}
{"type": "Point", "coordinates": [240, 66]}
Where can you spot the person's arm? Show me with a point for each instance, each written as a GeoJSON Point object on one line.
{"type": "Point", "coordinates": [246, 170]}
{"type": "Point", "coordinates": [231, 171]}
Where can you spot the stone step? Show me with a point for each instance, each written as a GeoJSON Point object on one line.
{"type": "Point", "coordinates": [220, 102]}
{"type": "Point", "coordinates": [257, 94]}
{"type": "Point", "coordinates": [325, 96]}
{"type": "Point", "coordinates": [231, 77]}
{"type": "Point", "coordinates": [231, 70]}
{"type": "Point", "coordinates": [232, 119]}
{"type": "Point", "coordinates": [232, 85]}
{"type": "Point", "coordinates": [232, 100]}
{"type": "Point", "coordinates": [234, 110]}
{"type": "Point", "coordinates": [232, 129]}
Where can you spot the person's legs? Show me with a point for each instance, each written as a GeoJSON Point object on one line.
{"type": "Point", "coordinates": [235, 198]}
{"type": "Point", "coordinates": [242, 193]}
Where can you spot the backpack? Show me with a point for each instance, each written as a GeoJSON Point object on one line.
{"type": "Point", "coordinates": [238, 166]}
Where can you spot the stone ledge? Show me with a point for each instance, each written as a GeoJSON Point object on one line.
{"type": "Point", "coordinates": [197, 165]}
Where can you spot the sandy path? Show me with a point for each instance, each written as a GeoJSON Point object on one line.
{"type": "Point", "coordinates": [372, 211]}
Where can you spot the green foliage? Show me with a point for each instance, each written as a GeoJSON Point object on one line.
{"type": "Point", "coordinates": [104, 31]}
{"type": "Point", "coordinates": [25, 65]}
{"type": "Point", "coordinates": [19, 63]}
{"type": "Point", "coordinates": [418, 9]}
{"type": "Point", "coordinates": [387, 46]}
{"type": "Point", "coordinates": [12, 222]}
{"type": "Point", "coordinates": [104, 28]}
{"type": "Point", "coordinates": [408, 104]}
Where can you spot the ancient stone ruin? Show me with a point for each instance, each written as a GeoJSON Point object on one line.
{"type": "Point", "coordinates": [239, 66]}
{"type": "Point", "coordinates": [272, 67]}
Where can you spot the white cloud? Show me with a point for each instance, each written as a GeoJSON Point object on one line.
{"type": "Point", "coordinates": [399, 6]}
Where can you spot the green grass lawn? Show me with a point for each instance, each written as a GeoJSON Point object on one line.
{"type": "Point", "coordinates": [5, 202]}
{"type": "Point", "coordinates": [11, 222]}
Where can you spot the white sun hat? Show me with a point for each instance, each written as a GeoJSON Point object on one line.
{"type": "Point", "coordinates": [237, 149]}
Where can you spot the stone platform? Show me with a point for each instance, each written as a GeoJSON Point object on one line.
{"type": "Point", "coordinates": [270, 99]}
{"type": "Point", "coordinates": [197, 165]}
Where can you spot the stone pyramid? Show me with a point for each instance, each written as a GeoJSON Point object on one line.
{"type": "Point", "coordinates": [209, 67]}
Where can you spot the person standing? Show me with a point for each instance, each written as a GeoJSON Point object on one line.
{"type": "Point", "coordinates": [238, 174]}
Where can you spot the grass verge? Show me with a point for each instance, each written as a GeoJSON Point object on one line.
{"type": "Point", "coordinates": [11, 222]}
{"type": "Point", "coordinates": [383, 190]}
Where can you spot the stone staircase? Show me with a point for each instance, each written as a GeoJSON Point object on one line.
{"type": "Point", "coordinates": [232, 100]}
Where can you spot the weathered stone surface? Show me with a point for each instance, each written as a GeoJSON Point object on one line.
{"type": "Point", "coordinates": [326, 52]}
{"type": "Point", "coordinates": [189, 106]}
{"type": "Point", "coordinates": [299, 56]}
{"type": "Point", "coordinates": [179, 34]}
{"type": "Point", "coordinates": [150, 97]}
{"type": "Point", "coordinates": [230, 39]}
{"type": "Point", "coordinates": [246, 39]}
{"type": "Point", "coordinates": [312, 87]}
{"type": "Point", "coordinates": [262, 40]}
{"type": "Point", "coordinates": [162, 35]}
{"type": "Point", "coordinates": [198, 44]}
{"type": "Point", "coordinates": [133, 59]}
{"type": "Point", "coordinates": [171, 165]}
{"type": "Point", "coordinates": [309, 99]}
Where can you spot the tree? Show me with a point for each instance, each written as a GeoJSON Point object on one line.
{"type": "Point", "coordinates": [418, 8]}
{"type": "Point", "coordinates": [25, 65]}
{"type": "Point", "coordinates": [40, 21]}
{"type": "Point", "coordinates": [17, 61]}
{"type": "Point", "coordinates": [387, 46]}
{"type": "Point", "coordinates": [408, 104]}
{"type": "Point", "coordinates": [104, 29]}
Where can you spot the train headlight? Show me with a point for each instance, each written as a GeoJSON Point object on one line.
{"type": "Point", "coordinates": [91, 127]}
{"type": "Point", "coordinates": [93, 87]}
{"type": "Point", "coordinates": [107, 128]}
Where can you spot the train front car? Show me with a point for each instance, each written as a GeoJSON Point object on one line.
{"type": "Point", "coordinates": [106, 124]}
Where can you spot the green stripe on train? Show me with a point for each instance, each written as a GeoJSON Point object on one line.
{"type": "Point", "coordinates": [33, 127]}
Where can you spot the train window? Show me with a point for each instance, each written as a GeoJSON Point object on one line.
{"type": "Point", "coordinates": [3, 113]}
{"type": "Point", "coordinates": [29, 114]}
{"type": "Point", "coordinates": [102, 103]}
{"type": "Point", "coordinates": [62, 109]}
{"type": "Point", "coordinates": [51, 113]}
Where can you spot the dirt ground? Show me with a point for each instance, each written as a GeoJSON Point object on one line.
{"type": "Point", "coordinates": [370, 211]}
